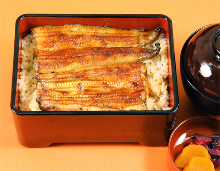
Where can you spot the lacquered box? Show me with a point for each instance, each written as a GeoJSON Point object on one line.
{"type": "Point", "coordinates": [42, 128]}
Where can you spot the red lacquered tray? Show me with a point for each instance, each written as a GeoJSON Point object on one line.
{"type": "Point", "coordinates": [41, 128]}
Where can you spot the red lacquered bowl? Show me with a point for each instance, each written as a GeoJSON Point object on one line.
{"type": "Point", "coordinates": [200, 71]}
{"type": "Point", "coordinates": [180, 137]}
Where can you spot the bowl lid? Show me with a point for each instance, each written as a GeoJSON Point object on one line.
{"type": "Point", "coordinates": [201, 60]}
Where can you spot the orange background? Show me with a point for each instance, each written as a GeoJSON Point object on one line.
{"type": "Point", "coordinates": [186, 15]}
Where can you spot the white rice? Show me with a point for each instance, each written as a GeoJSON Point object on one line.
{"type": "Point", "coordinates": [157, 75]}
{"type": "Point", "coordinates": [27, 81]}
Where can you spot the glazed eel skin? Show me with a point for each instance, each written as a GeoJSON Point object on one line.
{"type": "Point", "coordinates": [90, 68]}
{"type": "Point", "coordinates": [110, 87]}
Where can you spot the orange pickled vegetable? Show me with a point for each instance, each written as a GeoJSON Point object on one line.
{"type": "Point", "coordinates": [189, 152]}
{"type": "Point", "coordinates": [200, 164]}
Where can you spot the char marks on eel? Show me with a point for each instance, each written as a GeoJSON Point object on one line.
{"type": "Point", "coordinates": [92, 68]}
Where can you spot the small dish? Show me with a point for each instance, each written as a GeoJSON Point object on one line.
{"type": "Point", "coordinates": [181, 136]}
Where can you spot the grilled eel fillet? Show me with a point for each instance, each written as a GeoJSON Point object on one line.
{"type": "Point", "coordinates": [78, 36]}
{"type": "Point", "coordinates": [92, 68]}
{"type": "Point", "coordinates": [110, 87]}
{"type": "Point", "coordinates": [72, 47]}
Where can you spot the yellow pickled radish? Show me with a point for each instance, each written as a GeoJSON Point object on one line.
{"type": "Point", "coordinates": [200, 164]}
{"type": "Point", "coordinates": [189, 152]}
